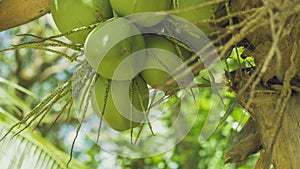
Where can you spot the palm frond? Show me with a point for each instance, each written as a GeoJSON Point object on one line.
{"type": "Point", "coordinates": [28, 150]}
{"type": "Point", "coordinates": [16, 86]}
{"type": "Point", "coordinates": [9, 101]}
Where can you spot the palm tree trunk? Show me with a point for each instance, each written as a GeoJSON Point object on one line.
{"type": "Point", "coordinates": [285, 152]}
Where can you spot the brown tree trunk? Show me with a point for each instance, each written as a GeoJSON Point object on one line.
{"type": "Point", "coordinates": [272, 97]}
{"type": "Point", "coordinates": [17, 12]}
{"type": "Point", "coordinates": [286, 148]}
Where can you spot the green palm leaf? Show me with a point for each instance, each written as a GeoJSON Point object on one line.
{"type": "Point", "coordinates": [26, 150]}
{"type": "Point", "coordinates": [29, 151]}
{"type": "Point", "coordinates": [9, 99]}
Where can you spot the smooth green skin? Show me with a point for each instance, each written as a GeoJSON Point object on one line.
{"type": "Point", "coordinates": [128, 7]}
{"type": "Point", "coordinates": [111, 115]}
{"type": "Point", "coordinates": [155, 77]}
{"type": "Point", "coordinates": [106, 47]}
{"type": "Point", "coordinates": [196, 15]}
{"type": "Point", "coordinates": [71, 14]}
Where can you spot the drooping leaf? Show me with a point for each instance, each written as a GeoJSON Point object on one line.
{"type": "Point", "coordinates": [28, 150]}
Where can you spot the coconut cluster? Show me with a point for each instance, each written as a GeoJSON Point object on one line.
{"type": "Point", "coordinates": [109, 49]}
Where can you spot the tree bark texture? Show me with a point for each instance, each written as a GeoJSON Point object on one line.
{"type": "Point", "coordinates": [17, 12]}
{"type": "Point", "coordinates": [286, 148]}
{"type": "Point", "coordinates": [272, 97]}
